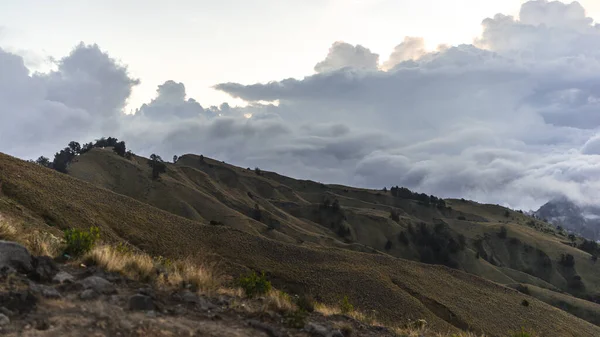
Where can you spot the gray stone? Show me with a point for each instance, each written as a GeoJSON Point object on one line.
{"type": "Point", "coordinates": [99, 285]}
{"type": "Point", "coordinates": [15, 256]}
{"type": "Point", "coordinates": [336, 333]}
{"type": "Point", "coordinates": [44, 269]}
{"type": "Point", "coordinates": [140, 302]}
{"type": "Point", "coordinates": [88, 294]}
{"type": "Point", "coordinates": [63, 277]}
{"type": "Point", "coordinates": [4, 320]}
{"type": "Point", "coordinates": [317, 330]}
{"type": "Point", "coordinates": [5, 311]}
{"type": "Point", "coordinates": [49, 292]}
{"type": "Point", "coordinates": [205, 304]}
{"type": "Point", "coordinates": [269, 330]}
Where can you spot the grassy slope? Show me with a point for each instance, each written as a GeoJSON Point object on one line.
{"type": "Point", "coordinates": [205, 190]}
{"type": "Point", "coordinates": [397, 289]}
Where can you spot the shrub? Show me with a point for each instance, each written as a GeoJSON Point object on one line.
{"type": "Point", "coordinates": [503, 233]}
{"type": "Point", "coordinates": [394, 215]}
{"type": "Point", "coordinates": [80, 242]}
{"type": "Point", "coordinates": [296, 319]}
{"type": "Point", "coordinates": [506, 213]}
{"type": "Point", "coordinates": [257, 171]}
{"type": "Point", "coordinates": [306, 303]}
{"type": "Point", "coordinates": [345, 306]}
{"type": "Point", "coordinates": [388, 245]}
{"type": "Point", "coordinates": [120, 149]}
{"type": "Point", "coordinates": [402, 237]}
{"type": "Point", "coordinates": [461, 217]}
{"type": "Point", "coordinates": [567, 260]}
{"type": "Point", "coordinates": [254, 284]}
{"type": "Point", "coordinates": [525, 303]}
{"type": "Point", "coordinates": [523, 289]}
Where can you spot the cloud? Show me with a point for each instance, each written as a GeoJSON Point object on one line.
{"type": "Point", "coordinates": [510, 118]}
{"type": "Point", "coordinates": [342, 55]}
{"type": "Point", "coordinates": [412, 48]}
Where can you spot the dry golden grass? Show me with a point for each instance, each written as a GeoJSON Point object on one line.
{"type": "Point", "coordinates": [37, 242]}
{"type": "Point", "coordinates": [142, 267]}
{"type": "Point", "coordinates": [278, 301]}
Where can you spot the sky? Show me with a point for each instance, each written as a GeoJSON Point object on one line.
{"type": "Point", "coordinates": [492, 100]}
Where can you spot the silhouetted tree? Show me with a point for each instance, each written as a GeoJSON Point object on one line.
{"type": "Point", "coordinates": [506, 213]}
{"type": "Point", "coordinates": [43, 161]}
{"type": "Point", "coordinates": [62, 159]}
{"type": "Point", "coordinates": [175, 159]}
{"type": "Point", "coordinates": [157, 165]}
{"type": "Point", "coordinates": [75, 147]}
{"type": "Point", "coordinates": [86, 147]}
{"type": "Point", "coordinates": [120, 149]}
{"type": "Point", "coordinates": [257, 171]}
{"type": "Point", "coordinates": [572, 237]}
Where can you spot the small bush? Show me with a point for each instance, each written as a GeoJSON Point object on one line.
{"type": "Point", "coordinates": [80, 242]}
{"type": "Point", "coordinates": [525, 303]}
{"type": "Point", "coordinates": [523, 289]}
{"type": "Point", "coordinates": [503, 233]}
{"type": "Point", "coordinates": [306, 303]}
{"type": "Point", "coordinates": [567, 260]}
{"type": "Point", "coordinates": [296, 319]}
{"type": "Point", "coordinates": [347, 330]}
{"type": "Point", "coordinates": [461, 217]}
{"type": "Point", "coordinates": [394, 215]}
{"type": "Point", "coordinates": [254, 284]}
{"type": "Point", "coordinates": [346, 307]}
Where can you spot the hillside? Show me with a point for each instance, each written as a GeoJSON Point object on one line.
{"type": "Point", "coordinates": [297, 239]}
{"type": "Point", "coordinates": [206, 190]}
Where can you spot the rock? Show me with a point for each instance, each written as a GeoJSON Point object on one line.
{"type": "Point", "coordinates": [269, 330]}
{"type": "Point", "coordinates": [98, 284]}
{"type": "Point", "coordinates": [88, 294]}
{"type": "Point", "coordinates": [336, 333]}
{"type": "Point", "coordinates": [43, 290]}
{"type": "Point", "coordinates": [146, 291]}
{"type": "Point", "coordinates": [5, 311]}
{"type": "Point", "coordinates": [44, 269]}
{"type": "Point", "coordinates": [4, 320]}
{"type": "Point", "coordinates": [151, 314]}
{"type": "Point", "coordinates": [189, 297]}
{"type": "Point", "coordinates": [15, 256]}
{"type": "Point", "coordinates": [18, 301]}
{"type": "Point", "coordinates": [205, 304]}
{"type": "Point", "coordinates": [141, 303]}
{"type": "Point", "coordinates": [63, 277]}
{"type": "Point", "coordinates": [317, 330]}
{"type": "Point", "coordinates": [49, 292]}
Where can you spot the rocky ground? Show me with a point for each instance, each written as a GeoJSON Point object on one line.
{"type": "Point", "coordinates": [43, 297]}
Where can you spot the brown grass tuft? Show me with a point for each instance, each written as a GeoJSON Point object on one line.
{"type": "Point", "coordinates": [137, 266]}
{"type": "Point", "coordinates": [279, 301]}
{"type": "Point", "coordinates": [7, 231]}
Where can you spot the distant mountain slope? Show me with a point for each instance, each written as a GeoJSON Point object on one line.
{"type": "Point", "coordinates": [464, 235]}
{"type": "Point", "coordinates": [583, 220]}
{"type": "Point", "coordinates": [396, 288]}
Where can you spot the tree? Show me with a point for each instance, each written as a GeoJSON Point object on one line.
{"type": "Point", "coordinates": [43, 161]}
{"type": "Point", "coordinates": [567, 260]}
{"type": "Point", "coordinates": [395, 215]}
{"type": "Point", "coordinates": [62, 159]}
{"type": "Point", "coordinates": [572, 237]}
{"type": "Point", "coordinates": [257, 171]}
{"type": "Point", "coordinates": [175, 158]}
{"type": "Point", "coordinates": [120, 149]}
{"type": "Point", "coordinates": [86, 147]}
{"type": "Point", "coordinates": [157, 165]}
{"type": "Point", "coordinates": [506, 213]}
{"type": "Point", "coordinates": [336, 205]}
{"type": "Point", "coordinates": [388, 245]}
{"type": "Point", "coordinates": [503, 233]}
{"type": "Point", "coordinates": [75, 147]}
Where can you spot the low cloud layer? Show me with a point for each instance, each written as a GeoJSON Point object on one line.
{"type": "Point", "coordinates": [511, 118]}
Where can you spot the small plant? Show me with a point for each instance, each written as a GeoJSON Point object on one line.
{"type": "Point", "coordinates": [521, 333]}
{"type": "Point", "coordinates": [306, 303]}
{"type": "Point", "coordinates": [296, 319]}
{"type": "Point", "coordinates": [503, 233]}
{"type": "Point", "coordinates": [347, 330]}
{"type": "Point", "coordinates": [346, 307]}
{"type": "Point", "coordinates": [525, 303]}
{"type": "Point", "coordinates": [254, 284]}
{"type": "Point", "coordinates": [80, 242]}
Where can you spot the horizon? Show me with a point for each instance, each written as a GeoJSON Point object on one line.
{"type": "Point", "coordinates": [478, 105]}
